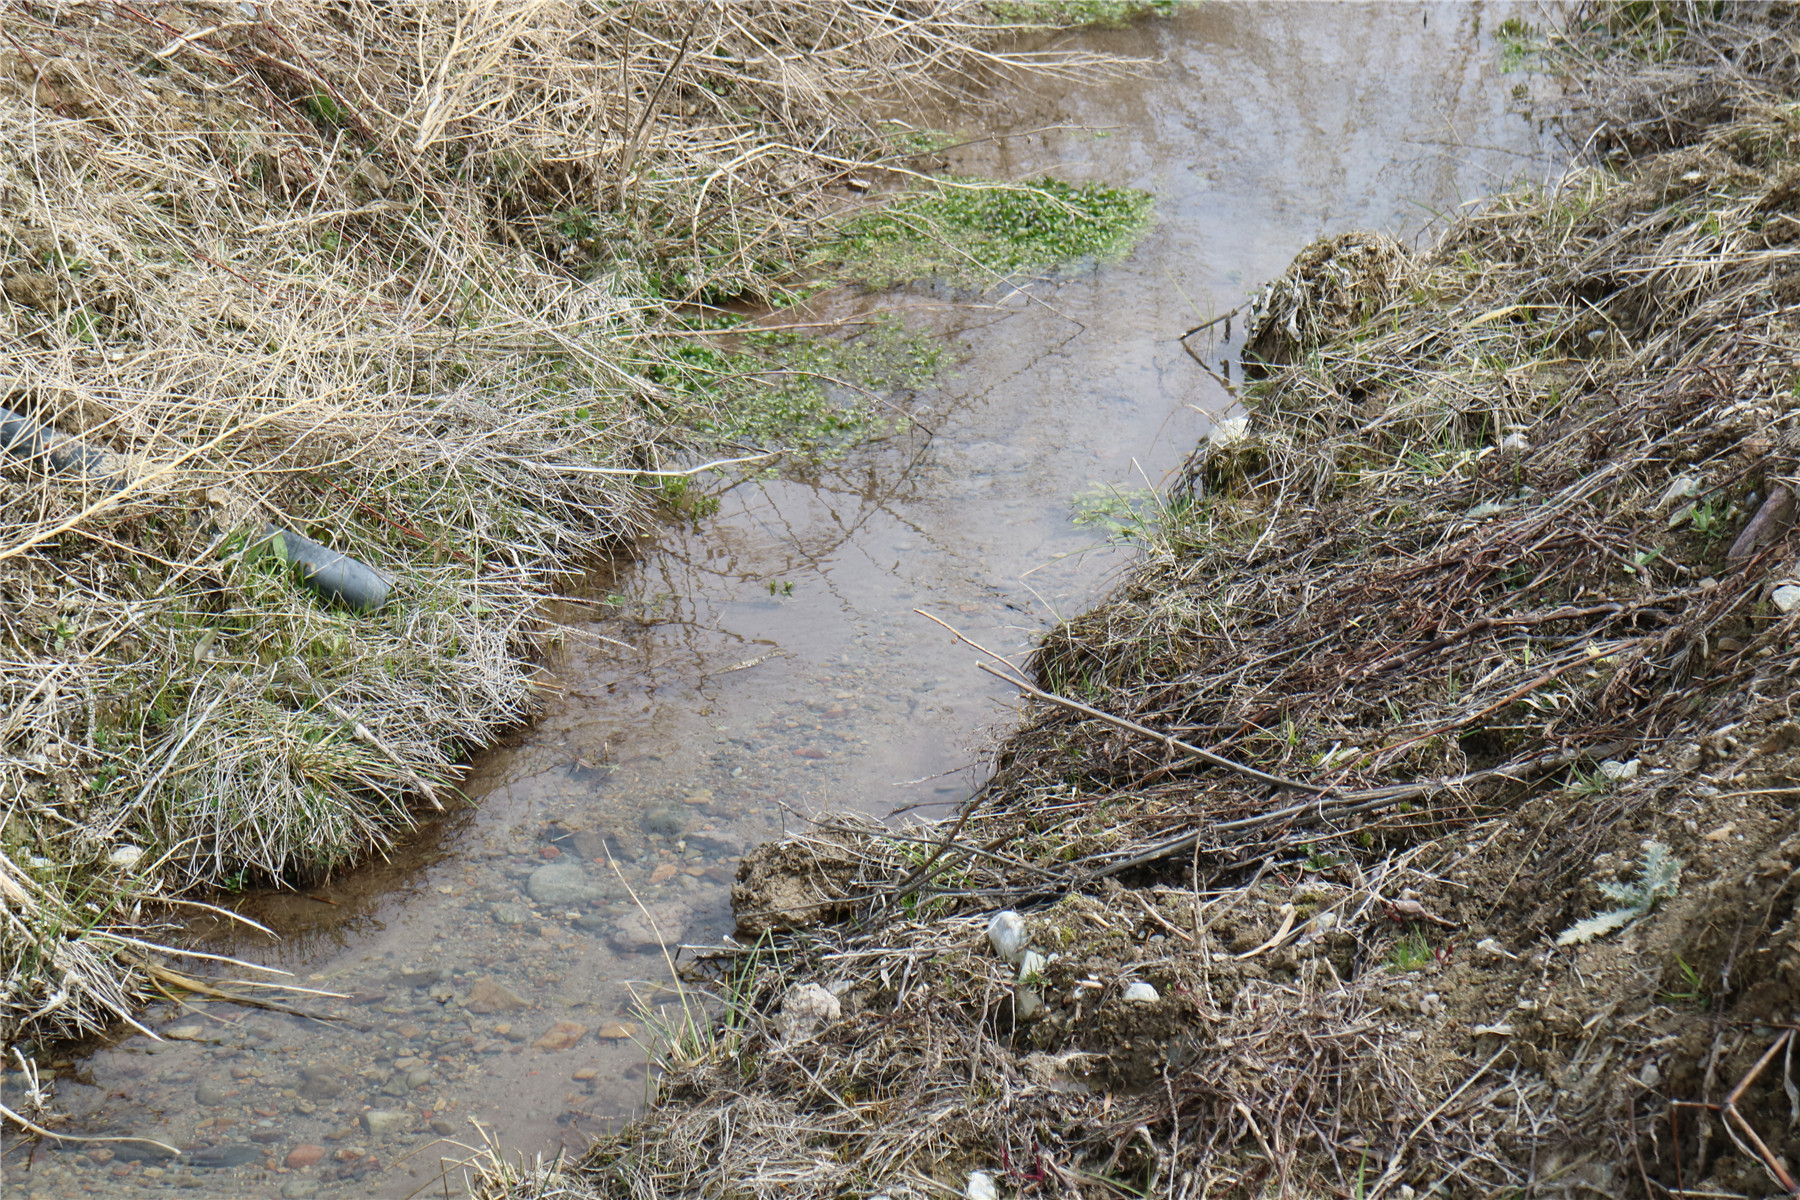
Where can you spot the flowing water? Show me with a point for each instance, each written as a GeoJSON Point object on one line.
{"type": "Point", "coordinates": [496, 972]}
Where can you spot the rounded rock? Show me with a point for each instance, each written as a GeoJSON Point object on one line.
{"type": "Point", "coordinates": [383, 1122]}
{"type": "Point", "coordinates": [561, 883]}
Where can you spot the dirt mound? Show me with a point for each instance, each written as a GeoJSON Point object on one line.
{"type": "Point", "coordinates": [783, 886]}
{"type": "Point", "coordinates": [1333, 287]}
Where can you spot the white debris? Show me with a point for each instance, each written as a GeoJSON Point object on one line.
{"type": "Point", "coordinates": [805, 1007]}
{"type": "Point", "coordinates": [1231, 429]}
{"type": "Point", "coordinates": [1620, 772]}
{"type": "Point", "coordinates": [980, 1187]}
{"type": "Point", "coordinates": [1493, 1031]}
{"type": "Point", "coordinates": [1490, 950]}
{"type": "Point", "coordinates": [1685, 487]}
{"type": "Point", "coordinates": [1650, 1076]}
{"type": "Point", "coordinates": [1141, 993]}
{"type": "Point", "coordinates": [125, 857]}
{"type": "Point", "coordinates": [1430, 1004]}
{"type": "Point", "coordinates": [1786, 598]}
{"type": "Point", "coordinates": [1326, 921]}
{"type": "Point", "coordinates": [1514, 442]}
{"type": "Point", "coordinates": [1027, 1000]}
{"type": "Point", "coordinates": [1007, 934]}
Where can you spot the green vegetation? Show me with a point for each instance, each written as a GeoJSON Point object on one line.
{"type": "Point", "coordinates": [1125, 513]}
{"type": "Point", "coordinates": [975, 233]}
{"type": "Point", "coordinates": [813, 397]}
{"type": "Point", "coordinates": [1078, 12]}
{"type": "Point", "coordinates": [1411, 952]}
{"type": "Point", "coordinates": [1659, 878]}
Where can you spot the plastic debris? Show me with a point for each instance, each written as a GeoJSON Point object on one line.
{"type": "Point", "coordinates": [1007, 934]}
{"type": "Point", "coordinates": [332, 575]}
{"type": "Point", "coordinates": [125, 857]}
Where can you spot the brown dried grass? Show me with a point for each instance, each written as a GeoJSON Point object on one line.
{"type": "Point", "coordinates": [397, 276]}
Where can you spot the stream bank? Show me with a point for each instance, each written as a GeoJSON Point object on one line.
{"type": "Point", "coordinates": [1415, 817]}
{"type": "Point", "coordinates": [464, 967]}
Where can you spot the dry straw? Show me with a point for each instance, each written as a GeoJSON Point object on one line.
{"type": "Point", "coordinates": [393, 276]}
{"type": "Point", "coordinates": [1475, 539]}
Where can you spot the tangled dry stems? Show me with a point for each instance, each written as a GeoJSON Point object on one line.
{"type": "Point", "coordinates": [396, 277]}
{"type": "Point", "coordinates": [1526, 516]}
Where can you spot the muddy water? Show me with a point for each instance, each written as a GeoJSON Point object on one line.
{"type": "Point", "coordinates": [495, 979]}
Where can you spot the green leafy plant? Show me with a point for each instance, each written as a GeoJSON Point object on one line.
{"type": "Point", "coordinates": [1123, 513]}
{"type": "Point", "coordinates": [975, 233]}
{"type": "Point", "coordinates": [1659, 877]}
{"type": "Point", "coordinates": [1693, 987]}
{"type": "Point", "coordinates": [1709, 520]}
{"type": "Point", "coordinates": [1410, 953]}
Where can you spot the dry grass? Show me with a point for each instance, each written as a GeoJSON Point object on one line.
{"type": "Point", "coordinates": [1325, 769]}
{"type": "Point", "coordinates": [396, 277]}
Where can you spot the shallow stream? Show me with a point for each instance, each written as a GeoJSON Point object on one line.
{"type": "Point", "coordinates": [768, 662]}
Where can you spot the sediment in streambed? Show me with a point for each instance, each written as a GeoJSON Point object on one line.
{"type": "Point", "coordinates": [413, 290]}
{"type": "Point", "coordinates": [1432, 768]}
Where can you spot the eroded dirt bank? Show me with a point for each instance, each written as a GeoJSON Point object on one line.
{"type": "Point", "coordinates": [1433, 770]}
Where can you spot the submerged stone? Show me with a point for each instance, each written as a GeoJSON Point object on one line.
{"type": "Point", "coordinates": [561, 883]}
{"type": "Point", "coordinates": [486, 996]}
{"type": "Point", "coordinates": [382, 1123]}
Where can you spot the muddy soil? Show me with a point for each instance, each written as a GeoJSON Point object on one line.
{"type": "Point", "coordinates": [497, 979]}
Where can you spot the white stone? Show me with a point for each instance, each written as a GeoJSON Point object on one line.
{"type": "Point", "coordinates": [1325, 922]}
{"type": "Point", "coordinates": [125, 857]}
{"type": "Point", "coordinates": [1141, 993]}
{"type": "Point", "coordinates": [1684, 487]}
{"type": "Point", "coordinates": [805, 1007]}
{"type": "Point", "coordinates": [1787, 598]}
{"type": "Point", "coordinates": [1650, 1076]}
{"type": "Point", "coordinates": [1619, 772]}
{"type": "Point", "coordinates": [1431, 1004]}
{"type": "Point", "coordinates": [980, 1187]}
{"type": "Point", "coordinates": [1007, 934]}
